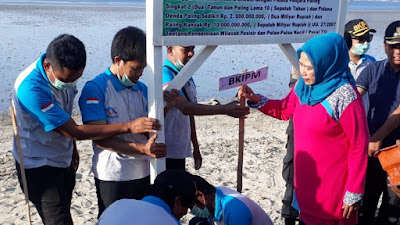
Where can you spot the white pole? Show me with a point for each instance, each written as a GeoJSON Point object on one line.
{"type": "Point", "coordinates": [155, 97]}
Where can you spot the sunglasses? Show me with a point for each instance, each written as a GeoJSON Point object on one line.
{"type": "Point", "coordinates": [364, 38]}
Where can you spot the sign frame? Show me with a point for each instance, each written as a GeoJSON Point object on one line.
{"type": "Point", "coordinates": [235, 40]}
{"type": "Point", "coordinates": [155, 41]}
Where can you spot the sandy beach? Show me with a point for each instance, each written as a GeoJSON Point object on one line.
{"type": "Point", "coordinates": [31, 28]}
{"type": "Point", "coordinates": [262, 182]}
{"type": "Point", "coordinates": [26, 31]}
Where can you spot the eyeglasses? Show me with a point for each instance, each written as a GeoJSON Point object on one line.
{"type": "Point", "coordinates": [364, 38]}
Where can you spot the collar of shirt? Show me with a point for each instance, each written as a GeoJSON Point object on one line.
{"type": "Point", "coordinates": [362, 59]}
{"type": "Point", "coordinates": [159, 202]}
{"type": "Point", "coordinates": [39, 67]}
{"type": "Point", "coordinates": [218, 205]}
{"type": "Point", "coordinates": [170, 64]}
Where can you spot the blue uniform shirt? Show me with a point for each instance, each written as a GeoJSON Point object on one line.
{"type": "Point", "coordinates": [383, 89]}
{"type": "Point", "coordinates": [233, 208]}
{"type": "Point", "coordinates": [105, 98]}
{"type": "Point", "coordinates": [150, 210]}
{"type": "Point", "coordinates": [40, 108]}
{"type": "Point", "coordinates": [176, 124]}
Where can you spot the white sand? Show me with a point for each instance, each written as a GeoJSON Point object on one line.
{"type": "Point", "coordinates": [218, 138]}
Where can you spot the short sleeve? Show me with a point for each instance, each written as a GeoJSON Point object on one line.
{"type": "Point", "coordinates": [168, 76]}
{"type": "Point", "coordinates": [91, 102]}
{"type": "Point", "coordinates": [37, 101]}
{"type": "Point", "coordinates": [236, 212]}
{"type": "Point", "coordinates": [364, 80]}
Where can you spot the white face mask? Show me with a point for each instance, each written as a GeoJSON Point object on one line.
{"type": "Point", "coordinates": [60, 85]}
{"type": "Point", "coordinates": [202, 213]}
{"type": "Point", "coordinates": [360, 49]}
{"type": "Point", "coordinates": [178, 64]}
{"type": "Point", "coordinates": [124, 79]}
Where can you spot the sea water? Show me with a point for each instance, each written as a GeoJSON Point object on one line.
{"type": "Point", "coordinates": [25, 34]}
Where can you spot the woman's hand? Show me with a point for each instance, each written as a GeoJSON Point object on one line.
{"type": "Point", "coordinates": [246, 92]}
{"type": "Point", "coordinates": [350, 209]}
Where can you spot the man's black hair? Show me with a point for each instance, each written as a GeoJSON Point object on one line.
{"type": "Point", "coordinates": [129, 44]}
{"type": "Point", "coordinates": [203, 186]}
{"type": "Point", "coordinates": [347, 39]}
{"type": "Point", "coordinates": [174, 183]}
{"type": "Point", "coordinates": [66, 51]}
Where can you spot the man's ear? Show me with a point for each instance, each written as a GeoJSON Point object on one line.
{"type": "Point", "coordinates": [169, 49]}
{"type": "Point", "coordinates": [117, 60]}
{"type": "Point", "coordinates": [178, 201]}
{"type": "Point", "coordinates": [46, 64]}
{"type": "Point", "coordinates": [200, 196]}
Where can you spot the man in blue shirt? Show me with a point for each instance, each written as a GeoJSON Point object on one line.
{"type": "Point", "coordinates": [358, 37]}
{"type": "Point", "coordinates": [169, 199]}
{"type": "Point", "coordinates": [43, 98]}
{"type": "Point", "coordinates": [381, 81]}
{"type": "Point", "coordinates": [120, 164]}
{"type": "Point", "coordinates": [228, 207]}
{"type": "Point", "coordinates": [180, 128]}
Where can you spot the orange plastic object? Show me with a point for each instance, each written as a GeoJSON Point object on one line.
{"type": "Point", "coordinates": [390, 160]}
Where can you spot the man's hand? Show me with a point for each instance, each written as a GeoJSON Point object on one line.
{"type": "Point", "coordinates": [235, 110]}
{"type": "Point", "coordinates": [395, 187]}
{"type": "Point", "coordinates": [75, 158]}
{"type": "Point", "coordinates": [144, 125]}
{"type": "Point", "coordinates": [155, 150]}
{"type": "Point", "coordinates": [198, 160]}
{"type": "Point", "coordinates": [350, 209]}
{"type": "Point", "coordinates": [373, 147]}
{"type": "Point", "coordinates": [246, 92]}
{"type": "Point", "coordinates": [171, 97]}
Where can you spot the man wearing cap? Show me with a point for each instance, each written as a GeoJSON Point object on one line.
{"type": "Point", "coordinates": [381, 82]}
{"type": "Point", "coordinates": [357, 35]}
{"type": "Point", "coordinates": [171, 195]}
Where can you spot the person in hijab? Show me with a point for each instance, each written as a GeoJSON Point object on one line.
{"type": "Point", "coordinates": [331, 133]}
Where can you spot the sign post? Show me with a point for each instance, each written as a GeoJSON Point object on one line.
{"type": "Point", "coordinates": [229, 22]}
{"type": "Point", "coordinates": [237, 80]}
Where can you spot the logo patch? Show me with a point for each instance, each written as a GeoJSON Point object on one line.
{"type": "Point", "coordinates": [111, 112]}
{"type": "Point", "coordinates": [47, 107]}
{"type": "Point", "coordinates": [92, 101]}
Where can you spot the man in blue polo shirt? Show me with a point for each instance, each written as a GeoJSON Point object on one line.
{"type": "Point", "coordinates": [358, 37]}
{"type": "Point", "coordinates": [43, 98]}
{"type": "Point", "coordinates": [226, 206]}
{"type": "Point", "coordinates": [381, 81]}
{"type": "Point", "coordinates": [169, 199]}
{"type": "Point", "coordinates": [121, 164]}
{"type": "Point", "coordinates": [180, 128]}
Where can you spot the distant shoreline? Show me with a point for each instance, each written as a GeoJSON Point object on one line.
{"type": "Point", "coordinates": [115, 4]}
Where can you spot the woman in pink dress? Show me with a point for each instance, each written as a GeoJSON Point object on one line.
{"type": "Point", "coordinates": [331, 133]}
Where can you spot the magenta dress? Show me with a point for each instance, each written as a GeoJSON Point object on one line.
{"type": "Point", "coordinates": [331, 144]}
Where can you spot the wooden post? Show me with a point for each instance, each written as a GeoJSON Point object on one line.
{"type": "Point", "coordinates": [241, 145]}
{"type": "Point", "coordinates": [21, 164]}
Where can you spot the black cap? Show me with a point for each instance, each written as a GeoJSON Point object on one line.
{"type": "Point", "coordinates": [392, 33]}
{"type": "Point", "coordinates": [179, 182]}
{"type": "Point", "coordinates": [357, 28]}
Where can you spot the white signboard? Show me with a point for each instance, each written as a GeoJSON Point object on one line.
{"type": "Point", "coordinates": [214, 22]}
{"type": "Point", "coordinates": [242, 78]}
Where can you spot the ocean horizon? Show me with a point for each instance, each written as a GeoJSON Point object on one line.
{"type": "Point", "coordinates": [353, 4]}
{"type": "Point", "coordinates": [26, 32]}
{"type": "Point", "coordinates": [99, 3]}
